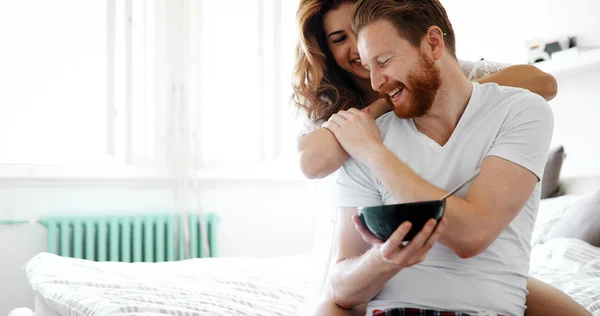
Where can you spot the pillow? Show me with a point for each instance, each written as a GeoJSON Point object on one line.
{"type": "Point", "coordinates": [550, 213]}
{"type": "Point", "coordinates": [551, 178]}
{"type": "Point", "coordinates": [581, 221]}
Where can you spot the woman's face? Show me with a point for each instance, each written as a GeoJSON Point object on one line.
{"type": "Point", "coordinates": [342, 40]}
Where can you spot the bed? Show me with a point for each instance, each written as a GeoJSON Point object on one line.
{"type": "Point", "coordinates": [273, 286]}
{"type": "Point", "coordinates": [210, 286]}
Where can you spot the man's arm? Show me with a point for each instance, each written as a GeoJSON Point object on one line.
{"type": "Point", "coordinates": [508, 176]}
{"type": "Point", "coordinates": [358, 273]}
{"type": "Point", "coordinates": [362, 267]}
{"type": "Point", "coordinates": [509, 173]}
{"type": "Point", "coordinates": [495, 197]}
{"type": "Point", "coordinates": [363, 264]}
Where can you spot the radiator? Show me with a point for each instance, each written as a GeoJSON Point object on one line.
{"type": "Point", "coordinates": [133, 238]}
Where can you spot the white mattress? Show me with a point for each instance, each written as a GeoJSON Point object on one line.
{"type": "Point", "coordinates": [42, 309]}
{"type": "Point", "coordinates": [223, 286]}
{"type": "Point", "coordinates": [247, 286]}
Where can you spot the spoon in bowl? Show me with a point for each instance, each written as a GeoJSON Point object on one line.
{"type": "Point", "coordinates": [460, 186]}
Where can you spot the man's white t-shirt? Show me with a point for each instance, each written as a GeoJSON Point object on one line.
{"type": "Point", "coordinates": [510, 123]}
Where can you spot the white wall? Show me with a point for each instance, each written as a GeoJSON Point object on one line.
{"type": "Point", "coordinates": [498, 30]}
{"type": "Point", "coordinates": [258, 218]}
{"type": "Point", "coordinates": [577, 120]}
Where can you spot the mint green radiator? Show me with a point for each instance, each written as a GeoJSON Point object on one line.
{"type": "Point", "coordinates": [132, 238]}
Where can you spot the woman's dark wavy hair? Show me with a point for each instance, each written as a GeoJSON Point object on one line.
{"type": "Point", "coordinates": [321, 86]}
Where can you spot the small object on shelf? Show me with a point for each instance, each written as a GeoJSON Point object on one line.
{"type": "Point", "coordinates": [572, 62]}
{"type": "Point", "coordinates": [539, 50]}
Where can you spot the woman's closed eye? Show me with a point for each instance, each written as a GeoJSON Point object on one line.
{"type": "Point", "coordinates": [339, 39]}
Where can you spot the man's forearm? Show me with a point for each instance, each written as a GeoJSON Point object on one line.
{"type": "Point", "coordinates": [320, 154]}
{"type": "Point", "coordinates": [402, 182]}
{"type": "Point", "coordinates": [356, 281]}
{"type": "Point", "coordinates": [461, 234]}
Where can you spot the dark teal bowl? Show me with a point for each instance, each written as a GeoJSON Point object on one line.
{"type": "Point", "coordinates": [383, 220]}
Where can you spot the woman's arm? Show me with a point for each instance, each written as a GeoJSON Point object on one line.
{"type": "Point", "coordinates": [544, 300]}
{"type": "Point", "coordinates": [521, 76]}
{"type": "Point", "coordinates": [321, 153]}
{"type": "Point", "coordinates": [527, 77]}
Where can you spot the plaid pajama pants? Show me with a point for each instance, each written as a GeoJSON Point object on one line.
{"type": "Point", "coordinates": [415, 312]}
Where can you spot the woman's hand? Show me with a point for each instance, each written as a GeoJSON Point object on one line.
{"type": "Point", "coordinates": [394, 252]}
{"type": "Point", "coordinates": [378, 108]}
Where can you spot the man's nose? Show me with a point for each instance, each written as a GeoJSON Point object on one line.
{"type": "Point", "coordinates": [377, 80]}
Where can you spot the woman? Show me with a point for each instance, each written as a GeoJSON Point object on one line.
{"type": "Point", "coordinates": [329, 77]}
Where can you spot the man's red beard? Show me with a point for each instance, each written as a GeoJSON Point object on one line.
{"type": "Point", "coordinates": [424, 82]}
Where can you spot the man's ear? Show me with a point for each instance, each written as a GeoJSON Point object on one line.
{"type": "Point", "coordinates": [434, 43]}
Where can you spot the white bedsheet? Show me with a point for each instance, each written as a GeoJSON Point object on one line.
{"type": "Point", "coordinates": [42, 309]}
{"type": "Point", "coordinates": [249, 286]}
{"type": "Point", "coordinates": [223, 286]}
{"type": "Point", "coordinates": [571, 265]}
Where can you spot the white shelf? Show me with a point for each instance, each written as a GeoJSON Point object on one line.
{"type": "Point", "coordinates": [572, 63]}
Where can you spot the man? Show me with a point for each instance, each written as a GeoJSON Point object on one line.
{"type": "Point", "coordinates": [442, 129]}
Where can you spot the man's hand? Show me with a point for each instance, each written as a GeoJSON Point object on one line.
{"type": "Point", "coordinates": [357, 132]}
{"type": "Point", "coordinates": [394, 252]}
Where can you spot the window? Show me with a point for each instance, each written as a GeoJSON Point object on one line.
{"type": "Point", "coordinates": [242, 69]}
{"type": "Point", "coordinates": [231, 74]}
{"type": "Point", "coordinates": [74, 76]}
{"type": "Point", "coordinates": [134, 82]}
{"type": "Point", "coordinates": [53, 79]}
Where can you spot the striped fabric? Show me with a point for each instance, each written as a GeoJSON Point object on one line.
{"type": "Point", "coordinates": [415, 312]}
{"type": "Point", "coordinates": [249, 286]}
{"type": "Point", "coordinates": [194, 287]}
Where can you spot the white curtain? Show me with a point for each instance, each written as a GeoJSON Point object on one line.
{"type": "Point", "coordinates": [180, 138]}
